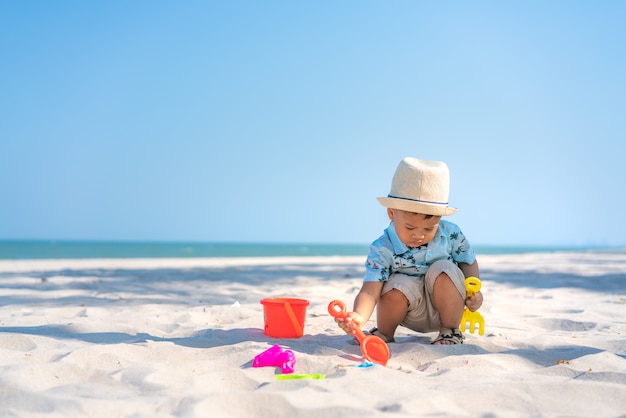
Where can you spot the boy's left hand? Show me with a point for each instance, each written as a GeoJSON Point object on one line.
{"type": "Point", "coordinates": [475, 302]}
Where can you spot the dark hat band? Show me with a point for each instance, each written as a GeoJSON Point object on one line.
{"type": "Point", "coordinates": [418, 200]}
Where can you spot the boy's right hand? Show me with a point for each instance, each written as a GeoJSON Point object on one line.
{"type": "Point", "coordinates": [474, 302]}
{"type": "Point", "coordinates": [351, 319]}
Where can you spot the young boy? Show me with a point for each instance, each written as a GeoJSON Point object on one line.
{"type": "Point", "coordinates": [415, 272]}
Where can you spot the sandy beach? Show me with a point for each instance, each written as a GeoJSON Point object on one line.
{"type": "Point", "coordinates": [177, 337]}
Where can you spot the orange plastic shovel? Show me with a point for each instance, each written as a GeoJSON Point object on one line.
{"type": "Point", "coordinates": [472, 285]}
{"type": "Point", "coordinates": [373, 348]}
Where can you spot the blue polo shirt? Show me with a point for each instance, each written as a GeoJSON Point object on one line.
{"type": "Point", "coordinates": [389, 255]}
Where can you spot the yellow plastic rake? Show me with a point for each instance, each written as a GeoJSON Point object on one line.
{"type": "Point", "coordinates": [472, 285]}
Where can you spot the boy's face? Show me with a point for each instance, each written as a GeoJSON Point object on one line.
{"type": "Point", "coordinates": [414, 229]}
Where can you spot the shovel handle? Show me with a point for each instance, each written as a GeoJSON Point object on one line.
{"type": "Point", "coordinates": [338, 310]}
{"type": "Point", "coordinates": [373, 348]}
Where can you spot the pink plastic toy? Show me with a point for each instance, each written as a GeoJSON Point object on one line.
{"type": "Point", "coordinates": [275, 356]}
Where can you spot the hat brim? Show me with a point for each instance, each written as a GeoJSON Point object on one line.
{"type": "Point", "coordinates": [416, 207]}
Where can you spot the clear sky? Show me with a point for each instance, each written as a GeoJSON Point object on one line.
{"type": "Point", "coordinates": [282, 121]}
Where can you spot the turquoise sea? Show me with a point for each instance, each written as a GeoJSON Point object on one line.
{"type": "Point", "coordinates": [21, 249]}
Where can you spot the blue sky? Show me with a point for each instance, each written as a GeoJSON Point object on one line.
{"type": "Point", "coordinates": [282, 121]}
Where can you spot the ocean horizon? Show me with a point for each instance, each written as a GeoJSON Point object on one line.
{"type": "Point", "coordinates": [70, 249]}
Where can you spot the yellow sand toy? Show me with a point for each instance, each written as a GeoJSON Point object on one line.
{"type": "Point", "coordinates": [472, 285]}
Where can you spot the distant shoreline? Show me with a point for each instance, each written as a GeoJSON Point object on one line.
{"type": "Point", "coordinates": [66, 249]}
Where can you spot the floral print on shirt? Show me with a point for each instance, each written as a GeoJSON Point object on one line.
{"type": "Point", "coordinates": [388, 255]}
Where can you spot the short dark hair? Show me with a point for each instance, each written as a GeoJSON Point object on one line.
{"type": "Point", "coordinates": [425, 215]}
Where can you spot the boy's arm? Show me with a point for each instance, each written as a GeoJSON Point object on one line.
{"type": "Point", "coordinates": [470, 270]}
{"type": "Point", "coordinates": [366, 300]}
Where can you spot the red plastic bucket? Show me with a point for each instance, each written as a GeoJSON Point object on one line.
{"type": "Point", "coordinates": [284, 317]}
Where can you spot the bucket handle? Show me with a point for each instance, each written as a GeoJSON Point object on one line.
{"type": "Point", "coordinates": [293, 318]}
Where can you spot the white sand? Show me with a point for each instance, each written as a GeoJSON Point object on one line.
{"type": "Point", "coordinates": [149, 338]}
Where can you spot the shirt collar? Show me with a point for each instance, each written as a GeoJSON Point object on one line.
{"type": "Point", "coordinates": [399, 247]}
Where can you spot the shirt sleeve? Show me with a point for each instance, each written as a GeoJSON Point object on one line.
{"type": "Point", "coordinates": [462, 251]}
{"type": "Point", "coordinates": [378, 264]}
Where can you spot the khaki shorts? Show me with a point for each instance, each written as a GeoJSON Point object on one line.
{"type": "Point", "coordinates": [421, 315]}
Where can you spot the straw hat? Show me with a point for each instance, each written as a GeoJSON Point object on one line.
{"type": "Point", "coordinates": [420, 186]}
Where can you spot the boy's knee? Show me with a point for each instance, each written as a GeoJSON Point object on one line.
{"type": "Point", "coordinates": [448, 271]}
{"type": "Point", "coordinates": [443, 276]}
{"type": "Point", "coordinates": [441, 266]}
{"type": "Point", "coordinates": [394, 296]}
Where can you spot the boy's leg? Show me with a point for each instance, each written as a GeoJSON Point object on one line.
{"type": "Point", "coordinates": [445, 283]}
{"type": "Point", "coordinates": [401, 294]}
{"type": "Point", "coordinates": [390, 312]}
{"type": "Point", "coordinates": [448, 302]}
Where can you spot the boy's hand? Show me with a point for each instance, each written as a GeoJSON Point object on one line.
{"type": "Point", "coordinates": [475, 302]}
{"type": "Point", "coordinates": [351, 317]}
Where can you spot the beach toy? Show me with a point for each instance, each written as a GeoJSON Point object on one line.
{"type": "Point", "coordinates": [300, 376]}
{"type": "Point", "coordinates": [373, 348]}
{"type": "Point", "coordinates": [284, 317]}
{"type": "Point", "coordinates": [472, 285]}
{"type": "Point", "coordinates": [275, 356]}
